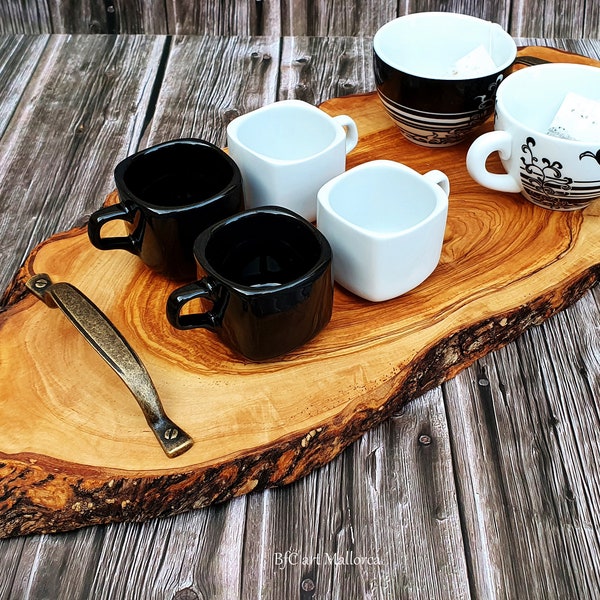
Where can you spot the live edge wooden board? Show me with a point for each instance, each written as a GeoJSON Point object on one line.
{"type": "Point", "coordinates": [75, 449]}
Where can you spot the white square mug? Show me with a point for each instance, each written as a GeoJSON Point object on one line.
{"type": "Point", "coordinates": [286, 151]}
{"type": "Point", "coordinates": [385, 224]}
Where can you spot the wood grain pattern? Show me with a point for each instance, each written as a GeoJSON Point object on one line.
{"type": "Point", "coordinates": [19, 61]}
{"type": "Point", "coordinates": [327, 18]}
{"type": "Point", "coordinates": [311, 74]}
{"type": "Point", "coordinates": [215, 79]}
{"type": "Point", "coordinates": [535, 480]}
{"type": "Point", "coordinates": [25, 17]}
{"type": "Point", "coordinates": [550, 18]}
{"type": "Point", "coordinates": [269, 428]}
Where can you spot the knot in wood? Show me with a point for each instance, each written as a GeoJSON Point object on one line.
{"type": "Point", "coordinates": [424, 440]}
{"type": "Point", "coordinates": [186, 594]}
{"type": "Point", "coordinates": [229, 115]}
{"type": "Point", "coordinates": [308, 585]}
{"type": "Point", "coordinates": [266, 57]}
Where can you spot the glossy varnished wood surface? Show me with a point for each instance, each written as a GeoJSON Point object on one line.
{"type": "Point", "coordinates": [485, 487]}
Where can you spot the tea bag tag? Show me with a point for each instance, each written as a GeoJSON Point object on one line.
{"type": "Point", "coordinates": [475, 63]}
{"type": "Point", "coordinates": [578, 118]}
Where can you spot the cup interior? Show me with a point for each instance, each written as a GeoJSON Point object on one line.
{"type": "Point", "coordinates": [177, 174]}
{"type": "Point", "coordinates": [382, 200]}
{"type": "Point", "coordinates": [262, 250]}
{"type": "Point", "coordinates": [429, 44]}
{"type": "Point", "coordinates": [286, 131]}
{"type": "Point", "coordinates": [533, 95]}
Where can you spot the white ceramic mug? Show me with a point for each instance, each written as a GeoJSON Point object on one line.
{"type": "Point", "coordinates": [287, 150]}
{"type": "Point", "coordinates": [385, 223]}
{"type": "Point", "coordinates": [553, 172]}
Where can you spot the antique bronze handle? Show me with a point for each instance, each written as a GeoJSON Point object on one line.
{"type": "Point", "coordinates": [115, 350]}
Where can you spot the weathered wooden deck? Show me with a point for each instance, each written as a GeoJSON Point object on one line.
{"type": "Point", "coordinates": [486, 487]}
{"type": "Point", "coordinates": [522, 18]}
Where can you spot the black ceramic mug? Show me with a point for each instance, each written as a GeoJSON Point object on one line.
{"type": "Point", "coordinates": [168, 194]}
{"type": "Point", "coordinates": [266, 276]}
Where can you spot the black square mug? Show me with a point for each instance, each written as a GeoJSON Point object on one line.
{"type": "Point", "coordinates": [265, 276]}
{"type": "Point", "coordinates": [168, 194]}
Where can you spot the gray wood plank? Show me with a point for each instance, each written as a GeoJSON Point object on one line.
{"type": "Point", "coordinates": [108, 16]}
{"type": "Point", "coordinates": [219, 18]}
{"type": "Point", "coordinates": [209, 18]}
{"type": "Point", "coordinates": [555, 19]}
{"type": "Point", "coordinates": [591, 23]}
{"type": "Point", "coordinates": [316, 69]}
{"type": "Point", "coordinates": [81, 136]}
{"type": "Point", "coordinates": [195, 555]}
{"type": "Point", "coordinates": [380, 522]}
{"type": "Point", "coordinates": [524, 426]}
{"type": "Point", "coordinates": [25, 16]}
{"type": "Point", "coordinates": [267, 18]}
{"type": "Point", "coordinates": [80, 17]}
{"type": "Point", "coordinates": [330, 18]}
{"type": "Point", "coordinates": [19, 57]}
{"type": "Point", "coordinates": [209, 81]}
{"type": "Point", "coordinates": [550, 18]}
{"type": "Point", "coordinates": [498, 12]}
{"type": "Point", "coordinates": [44, 560]}
{"type": "Point", "coordinates": [136, 16]}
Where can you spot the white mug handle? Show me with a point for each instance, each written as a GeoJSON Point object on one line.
{"type": "Point", "coordinates": [481, 148]}
{"type": "Point", "coordinates": [351, 131]}
{"type": "Point", "coordinates": [440, 179]}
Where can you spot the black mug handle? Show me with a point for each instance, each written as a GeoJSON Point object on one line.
{"type": "Point", "coordinates": [530, 61]}
{"type": "Point", "coordinates": [204, 288]}
{"type": "Point", "coordinates": [104, 215]}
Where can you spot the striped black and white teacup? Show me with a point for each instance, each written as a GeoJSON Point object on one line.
{"type": "Point", "coordinates": [437, 73]}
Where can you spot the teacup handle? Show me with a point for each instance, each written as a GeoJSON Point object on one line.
{"type": "Point", "coordinates": [440, 179]}
{"type": "Point", "coordinates": [480, 150]}
{"type": "Point", "coordinates": [204, 288]}
{"type": "Point", "coordinates": [351, 131]}
{"type": "Point", "coordinates": [104, 215]}
{"type": "Point", "coordinates": [530, 61]}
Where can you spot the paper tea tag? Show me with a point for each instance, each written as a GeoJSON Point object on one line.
{"type": "Point", "coordinates": [478, 62]}
{"type": "Point", "coordinates": [578, 118]}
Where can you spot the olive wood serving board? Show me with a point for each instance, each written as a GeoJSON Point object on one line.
{"type": "Point", "coordinates": [76, 450]}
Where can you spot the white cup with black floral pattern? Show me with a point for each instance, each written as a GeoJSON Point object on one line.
{"type": "Point", "coordinates": [551, 171]}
